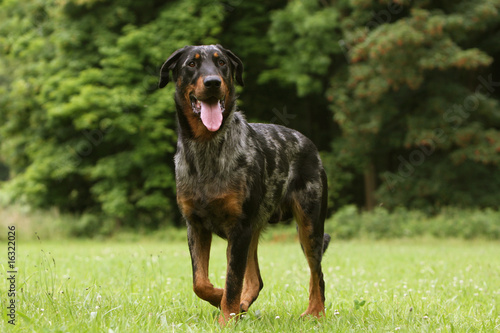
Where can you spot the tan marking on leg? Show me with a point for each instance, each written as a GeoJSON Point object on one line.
{"type": "Point", "coordinates": [229, 311]}
{"type": "Point", "coordinates": [229, 308]}
{"type": "Point", "coordinates": [316, 303]}
{"type": "Point", "coordinates": [316, 306]}
{"type": "Point", "coordinates": [252, 283]}
{"type": "Point", "coordinates": [201, 256]}
{"type": "Point", "coordinates": [186, 205]}
{"type": "Point", "coordinates": [206, 290]}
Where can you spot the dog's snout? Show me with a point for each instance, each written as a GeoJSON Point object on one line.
{"type": "Point", "coordinates": [212, 81]}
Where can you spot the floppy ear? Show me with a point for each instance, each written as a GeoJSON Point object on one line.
{"type": "Point", "coordinates": [237, 64]}
{"type": "Point", "coordinates": [168, 66]}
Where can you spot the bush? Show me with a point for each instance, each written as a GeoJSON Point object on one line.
{"type": "Point", "coordinates": [90, 225]}
{"type": "Point", "coordinates": [467, 224]}
{"type": "Point", "coordinates": [350, 223]}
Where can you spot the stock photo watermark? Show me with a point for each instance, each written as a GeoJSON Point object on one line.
{"type": "Point", "coordinates": [282, 117]}
{"type": "Point", "coordinates": [11, 274]}
{"type": "Point", "coordinates": [93, 139]}
{"type": "Point", "coordinates": [455, 116]}
{"type": "Point", "coordinates": [381, 17]}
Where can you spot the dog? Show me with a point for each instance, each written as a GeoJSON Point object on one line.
{"type": "Point", "coordinates": [233, 178]}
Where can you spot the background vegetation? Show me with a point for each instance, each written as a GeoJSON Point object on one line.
{"type": "Point", "coordinates": [401, 97]}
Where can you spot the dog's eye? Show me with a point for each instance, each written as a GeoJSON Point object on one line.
{"type": "Point", "coordinates": [192, 64]}
{"type": "Point", "coordinates": [222, 62]}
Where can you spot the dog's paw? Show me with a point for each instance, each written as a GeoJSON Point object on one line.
{"type": "Point", "coordinates": [244, 306]}
{"type": "Point", "coordinates": [317, 312]}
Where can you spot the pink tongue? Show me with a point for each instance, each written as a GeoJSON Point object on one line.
{"type": "Point", "coordinates": [211, 115]}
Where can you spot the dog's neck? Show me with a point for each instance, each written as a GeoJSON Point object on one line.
{"type": "Point", "coordinates": [207, 156]}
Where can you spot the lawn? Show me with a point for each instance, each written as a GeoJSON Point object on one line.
{"type": "Point", "coordinates": [145, 286]}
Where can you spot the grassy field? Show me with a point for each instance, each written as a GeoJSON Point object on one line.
{"type": "Point", "coordinates": [145, 286]}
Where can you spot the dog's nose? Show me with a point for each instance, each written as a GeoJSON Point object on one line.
{"type": "Point", "coordinates": [212, 81]}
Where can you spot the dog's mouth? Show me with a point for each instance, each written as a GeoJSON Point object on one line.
{"type": "Point", "coordinates": [210, 111]}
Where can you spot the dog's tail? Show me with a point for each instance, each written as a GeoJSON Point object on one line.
{"type": "Point", "coordinates": [326, 242]}
{"type": "Point", "coordinates": [324, 204]}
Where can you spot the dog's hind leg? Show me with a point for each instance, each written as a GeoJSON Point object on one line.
{"type": "Point", "coordinates": [253, 282]}
{"type": "Point", "coordinates": [310, 213]}
{"type": "Point", "coordinates": [199, 241]}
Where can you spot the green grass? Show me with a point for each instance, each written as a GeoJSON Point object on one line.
{"type": "Point", "coordinates": [145, 286]}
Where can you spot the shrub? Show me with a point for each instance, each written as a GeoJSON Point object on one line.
{"type": "Point", "coordinates": [380, 223]}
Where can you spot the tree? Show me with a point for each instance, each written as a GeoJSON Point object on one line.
{"type": "Point", "coordinates": [84, 127]}
{"type": "Point", "coordinates": [414, 98]}
{"type": "Point", "coordinates": [401, 96]}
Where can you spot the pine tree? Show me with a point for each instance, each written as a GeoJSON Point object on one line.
{"type": "Point", "coordinates": [416, 97]}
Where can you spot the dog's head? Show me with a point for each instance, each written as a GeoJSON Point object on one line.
{"type": "Point", "coordinates": [204, 77]}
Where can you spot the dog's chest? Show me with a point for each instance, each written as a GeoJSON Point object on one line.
{"type": "Point", "coordinates": [211, 186]}
{"type": "Point", "coordinates": [214, 212]}
{"type": "Point", "coordinates": [216, 205]}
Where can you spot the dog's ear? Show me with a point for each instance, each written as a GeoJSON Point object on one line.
{"type": "Point", "coordinates": [168, 66]}
{"type": "Point", "coordinates": [237, 65]}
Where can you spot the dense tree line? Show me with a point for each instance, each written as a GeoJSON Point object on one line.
{"type": "Point", "coordinates": [400, 96]}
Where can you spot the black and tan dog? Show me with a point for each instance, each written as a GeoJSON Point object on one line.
{"type": "Point", "coordinates": [235, 177]}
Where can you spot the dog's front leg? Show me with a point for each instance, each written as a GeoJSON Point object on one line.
{"type": "Point", "coordinates": [237, 254]}
{"type": "Point", "coordinates": [199, 240]}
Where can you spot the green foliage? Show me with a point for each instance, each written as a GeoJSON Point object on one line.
{"type": "Point", "coordinates": [409, 89]}
{"type": "Point", "coordinates": [87, 130]}
{"type": "Point", "coordinates": [346, 224]}
{"type": "Point", "coordinates": [349, 223]}
{"type": "Point", "coordinates": [415, 97]}
{"type": "Point", "coordinates": [304, 40]}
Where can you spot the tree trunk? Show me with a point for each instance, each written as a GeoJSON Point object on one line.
{"type": "Point", "coordinates": [370, 186]}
